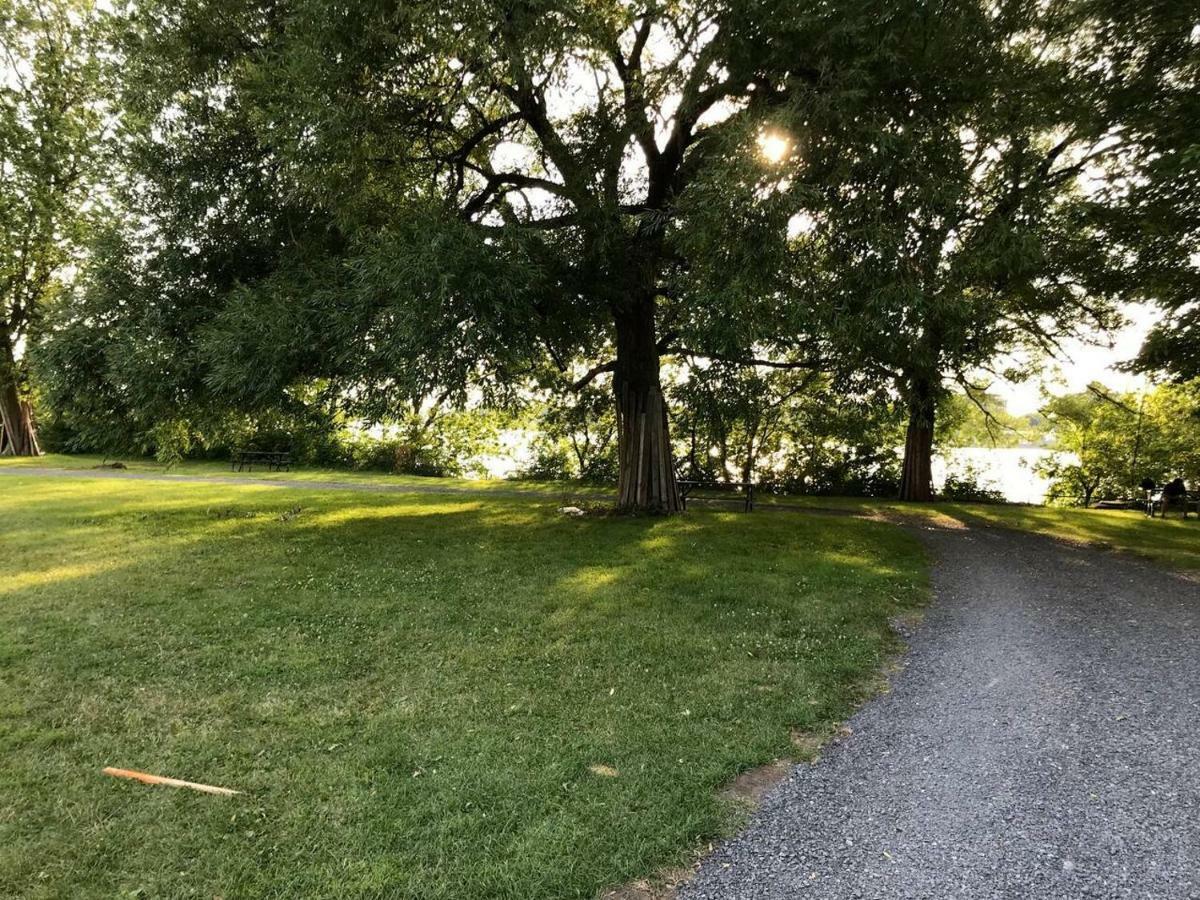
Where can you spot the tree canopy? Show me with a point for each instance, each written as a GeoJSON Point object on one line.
{"type": "Point", "coordinates": [378, 209]}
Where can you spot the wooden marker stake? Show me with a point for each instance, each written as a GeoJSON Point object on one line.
{"type": "Point", "coordinates": [169, 782]}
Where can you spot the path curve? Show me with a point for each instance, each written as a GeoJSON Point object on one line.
{"type": "Point", "coordinates": [1042, 741]}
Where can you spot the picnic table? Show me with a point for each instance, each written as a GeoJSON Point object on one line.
{"type": "Point", "coordinates": [274, 460]}
{"type": "Point", "coordinates": [687, 486]}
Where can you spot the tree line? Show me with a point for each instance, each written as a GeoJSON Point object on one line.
{"type": "Point", "coordinates": [219, 211]}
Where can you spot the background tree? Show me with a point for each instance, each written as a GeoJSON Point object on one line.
{"type": "Point", "coordinates": [978, 207]}
{"type": "Point", "coordinates": [1173, 410]}
{"type": "Point", "coordinates": [121, 365]}
{"type": "Point", "coordinates": [839, 443]}
{"type": "Point", "coordinates": [734, 418]}
{"type": "Point", "coordinates": [1113, 441]}
{"type": "Point", "coordinates": [982, 420]}
{"type": "Point", "coordinates": [576, 434]}
{"type": "Point", "coordinates": [787, 428]}
{"type": "Point", "coordinates": [1101, 436]}
{"type": "Point", "coordinates": [50, 121]}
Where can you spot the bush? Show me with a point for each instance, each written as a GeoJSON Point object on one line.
{"type": "Point", "coordinates": [552, 461]}
{"type": "Point", "coordinates": [601, 468]}
{"type": "Point", "coordinates": [848, 472]}
{"type": "Point", "coordinates": [967, 486]}
{"type": "Point", "coordinates": [400, 456]}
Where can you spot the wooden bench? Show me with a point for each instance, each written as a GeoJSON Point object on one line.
{"type": "Point", "coordinates": [274, 460]}
{"type": "Point", "coordinates": [687, 486]}
{"type": "Point", "coordinates": [1189, 503]}
{"type": "Point", "coordinates": [1119, 504]}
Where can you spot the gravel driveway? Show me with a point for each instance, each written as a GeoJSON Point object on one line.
{"type": "Point", "coordinates": [1042, 741]}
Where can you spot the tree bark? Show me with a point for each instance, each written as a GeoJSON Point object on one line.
{"type": "Point", "coordinates": [916, 478]}
{"type": "Point", "coordinates": [18, 436]}
{"type": "Point", "coordinates": [646, 471]}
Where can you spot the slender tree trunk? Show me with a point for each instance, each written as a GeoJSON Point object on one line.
{"type": "Point", "coordinates": [18, 437]}
{"type": "Point", "coordinates": [692, 467]}
{"type": "Point", "coordinates": [646, 479]}
{"type": "Point", "coordinates": [748, 464]}
{"type": "Point", "coordinates": [916, 478]}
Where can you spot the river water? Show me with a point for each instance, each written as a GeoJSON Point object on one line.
{"type": "Point", "coordinates": [1010, 470]}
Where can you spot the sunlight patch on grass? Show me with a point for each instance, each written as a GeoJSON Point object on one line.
{"type": "Point", "coordinates": [1174, 541]}
{"type": "Point", "coordinates": [351, 512]}
{"type": "Point", "coordinates": [10, 583]}
{"type": "Point", "coordinates": [590, 579]}
{"type": "Point", "coordinates": [303, 474]}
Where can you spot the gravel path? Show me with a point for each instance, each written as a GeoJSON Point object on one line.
{"type": "Point", "coordinates": [1042, 741]}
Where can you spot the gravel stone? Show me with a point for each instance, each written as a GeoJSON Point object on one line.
{"type": "Point", "coordinates": [1041, 741]}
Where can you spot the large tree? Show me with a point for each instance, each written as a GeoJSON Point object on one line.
{"type": "Point", "coordinates": [471, 188]}
{"type": "Point", "coordinates": [980, 210]}
{"type": "Point", "coordinates": [49, 125]}
{"type": "Point", "coordinates": [994, 197]}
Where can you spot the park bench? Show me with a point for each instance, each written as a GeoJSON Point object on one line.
{"type": "Point", "coordinates": [274, 460]}
{"type": "Point", "coordinates": [1191, 503]}
{"type": "Point", "coordinates": [1120, 504]}
{"type": "Point", "coordinates": [688, 486]}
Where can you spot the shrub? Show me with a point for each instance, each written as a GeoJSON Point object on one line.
{"type": "Point", "coordinates": [551, 461]}
{"type": "Point", "coordinates": [968, 486]}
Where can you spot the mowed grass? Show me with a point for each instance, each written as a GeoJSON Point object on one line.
{"type": "Point", "coordinates": [141, 465]}
{"type": "Point", "coordinates": [411, 690]}
{"type": "Point", "coordinates": [1174, 542]}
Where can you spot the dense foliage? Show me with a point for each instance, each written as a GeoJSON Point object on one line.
{"type": "Point", "coordinates": [1113, 442]}
{"type": "Point", "coordinates": [1160, 42]}
{"type": "Point", "coordinates": [812, 217]}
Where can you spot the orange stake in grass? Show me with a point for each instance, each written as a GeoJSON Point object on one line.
{"type": "Point", "coordinates": [169, 782]}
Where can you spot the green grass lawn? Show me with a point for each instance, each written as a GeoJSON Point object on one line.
{"type": "Point", "coordinates": [411, 689]}
{"type": "Point", "coordinates": [149, 466]}
{"type": "Point", "coordinates": [1174, 542]}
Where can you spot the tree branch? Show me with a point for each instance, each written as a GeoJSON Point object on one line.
{"type": "Point", "coordinates": [742, 360]}
{"type": "Point", "coordinates": [592, 374]}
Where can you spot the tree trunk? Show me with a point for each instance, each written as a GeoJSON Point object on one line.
{"type": "Point", "coordinates": [18, 437]}
{"type": "Point", "coordinates": [916, 478]}
{"type": "Point", "coordinates": [646, 472]}
{"type": "Point", "coordinates": [748, 464]}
